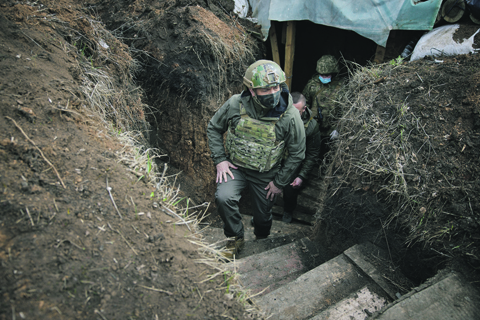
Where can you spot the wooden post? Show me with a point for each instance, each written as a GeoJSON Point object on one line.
{"type": "Point", "coordinates": [379, 54]}
{"type": "Point", "coordinates": [289, 52]}
{"type": "Point", "coordinates": [274, 43]}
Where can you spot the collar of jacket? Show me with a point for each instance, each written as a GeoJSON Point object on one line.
{"type": "Point", "coordinates": [306, 115]}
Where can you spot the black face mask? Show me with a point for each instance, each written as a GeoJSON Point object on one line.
{"type": "Point", "coordinates": [269, 101]}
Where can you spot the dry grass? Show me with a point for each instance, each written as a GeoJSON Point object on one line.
{"type": "Point", "coordinates": [383, 137]}
{"type": "Point", "coordinates": [115, 102]}
{"type": "Point", "coordinates": [385, 148]}
{"type": "Point", "coordinates": [226, 268]}
{"type": "Point", "coordinates": [228, 43]}
{"type": "Point", "coordinates": [230, 58]}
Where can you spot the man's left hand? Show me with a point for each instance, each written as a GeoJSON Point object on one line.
{"type": "Point", "coordinates": [297, 183]}
{"type": "Point", "coordinates": [272, 191]}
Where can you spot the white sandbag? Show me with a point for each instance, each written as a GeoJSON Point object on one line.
{"type": "Point", "coordinates": [440, 42]}
{"type": "Point", "coordinates": [241, 8]}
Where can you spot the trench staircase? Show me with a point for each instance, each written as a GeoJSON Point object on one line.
{"type": "Point", "coordinates": [290, 277]}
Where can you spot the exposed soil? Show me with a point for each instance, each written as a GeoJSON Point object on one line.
{"type": "Point", "coordinates": [194, 54]}
{"type": "Point", "coordinates": [65, 251]}
{"type": "Point", "coordinates": [68, 253]}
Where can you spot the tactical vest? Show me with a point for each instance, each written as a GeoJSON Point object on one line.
{"type": "Point", "coordinates": [252, 143]}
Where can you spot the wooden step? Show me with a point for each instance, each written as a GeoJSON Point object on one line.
{"type": "Point", "coordinates": [274, 241]}
{"type": "Point", "coordinates": [370, 259]}
{"type": "Point", "coordinates": [217, 238]}
{"type": "Point", "coordinates": [450, 298]}
{"type": "Point", "coordinates": [311, 190]}
{"type": "Point", "coordinates": [358, 306]}
{"type": "Point", "coordinates": [266, 271]}
{"type": "Point", "coordinates": [318, 289]}
{"type": "Point", "coordinates": [298, 216]}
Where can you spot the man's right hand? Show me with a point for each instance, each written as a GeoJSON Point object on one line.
{"type": "Point", "coordinates": [222, 169]}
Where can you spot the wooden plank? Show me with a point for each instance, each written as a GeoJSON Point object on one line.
{"type": "Point", "coordinates": [290, 52]}
{"type": "Point", "coordinates": [379, 54]}
{"type": "Point", "coordinates": [274, 43]}
{"type": "Point", "coordinates": [298, 215]}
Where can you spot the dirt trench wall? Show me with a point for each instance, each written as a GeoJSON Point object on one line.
{"type": "Point", "coordinates": [193, 56]}
{"type": "Point", "coordinates": [182, 134]}
{"type": "Point", "coordinates": [409, 137]}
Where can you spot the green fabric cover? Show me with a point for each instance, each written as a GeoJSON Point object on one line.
{"type": "Point", "coordinates": [372, 19]}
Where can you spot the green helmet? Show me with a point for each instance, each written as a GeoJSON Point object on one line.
{"type": "Point", "coordinates": [263, 74]}
{"type": "Point", "coordinates": [327, 65]}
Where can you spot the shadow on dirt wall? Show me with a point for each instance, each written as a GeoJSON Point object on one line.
{"type": "Point", "coordinates": [193, 56]}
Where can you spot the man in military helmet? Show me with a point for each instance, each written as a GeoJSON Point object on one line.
{"type": "Point", "coordinates": [261, 125]}
{"type": "Point", "coordinates": [313, 146]}
{"type": "Point", "coordinates": [321, 93]}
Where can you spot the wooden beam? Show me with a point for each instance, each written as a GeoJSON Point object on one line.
{"type": "Point", "coordinates": [290, 52]}
{"type": "Point", "coordinates": [379, 54]}
{"type": "Point", "coordinates": [274, 43]}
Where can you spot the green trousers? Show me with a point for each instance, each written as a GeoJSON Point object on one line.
{"type": "Point", "coordinates": [227, 198]}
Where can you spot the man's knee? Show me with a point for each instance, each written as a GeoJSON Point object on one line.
{"type": "Point", "coordinates": [226, 196]}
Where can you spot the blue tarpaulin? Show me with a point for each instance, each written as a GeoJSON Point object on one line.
{"type": "Point", "coordinates": [373, 19]}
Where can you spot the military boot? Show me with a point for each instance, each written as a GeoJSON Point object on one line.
{"type": "Point", "coordinates": [233, 247]}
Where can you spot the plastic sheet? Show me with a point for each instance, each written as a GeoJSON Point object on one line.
{"type": "Point", "coordinates": [372, 19]}
{"type": "Point", "coordinates": [241, 8]}
{"type": "Point", "coordinates": [440, 41]}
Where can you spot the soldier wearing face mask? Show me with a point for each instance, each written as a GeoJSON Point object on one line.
{"type": "Point", "coordinates": [321, 94]}
{"type": "Point", "coordinates": [262, 126]}
{"type": "Point", "coordinates": [312, 151]}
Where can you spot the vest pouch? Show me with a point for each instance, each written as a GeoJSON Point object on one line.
{"type": "Point", "coordinates": [276, 155]}
{"type": "Point", "coordinates": [252, 144]}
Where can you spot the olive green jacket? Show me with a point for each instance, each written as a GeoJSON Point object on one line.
{"type": "Point", "coordinates": [288, 128]}
{"type": "Point", "coordinates": [313, 137]}
{"type": "Point", "coordinates": [323, 97]}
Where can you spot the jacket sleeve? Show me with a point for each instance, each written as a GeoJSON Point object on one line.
{"type": "Point", "coordinates": [217, 126]}
{"type": "Point", "coordinates": [312, 151]}
{"type": "Point", "coordinates": [295, 144]}
{"type": "Point", "coordinates": [306, 93]}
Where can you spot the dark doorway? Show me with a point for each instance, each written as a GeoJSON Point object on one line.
{"type": "Point", "coordinates": [314, 40]}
